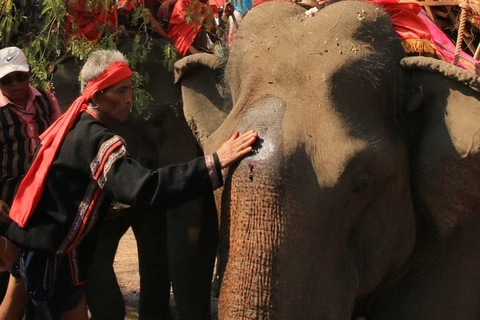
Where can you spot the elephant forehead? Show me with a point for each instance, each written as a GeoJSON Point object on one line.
{"type": "Point", "coordinates": [277, 45]}
{"type": "Point", "coordinates": [286, 130]}
{"type": "Point", "coordinates": [327, 140]}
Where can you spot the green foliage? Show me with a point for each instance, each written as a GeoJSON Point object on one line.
{"type": "Point", "coordinates": [136, 58]}
{"type": "Point", "coordinates": [39, 32]}
{"type": "Point", "coordinates": [8, 21]}
{"type": "Point", "coordinates": [171, 56]}
{"type": "Point", "coordinates": [195, 13]}
{"type": "Point", "coordinates": [201, 15]}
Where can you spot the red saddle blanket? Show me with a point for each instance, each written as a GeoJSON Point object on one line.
{"type": "Point", "coordinates": [89, 22]}
{"type": "Point", "coordinates": [186, 21]}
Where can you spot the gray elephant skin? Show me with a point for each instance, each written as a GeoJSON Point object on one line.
{"type": "Point", "coordinates": [361, 196]}
{"type": "Point", "coordinates": [177, 245]}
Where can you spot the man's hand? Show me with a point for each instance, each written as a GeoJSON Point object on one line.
{"type": "Point", "coordinates": [4, 211]}
{"type": "Point", "coordinates": [8, 254]}
{"type": "Point", "coordinates": [236, 147]}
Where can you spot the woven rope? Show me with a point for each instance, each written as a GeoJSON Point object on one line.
{"type": "Point", "coordinates": [469, 8]}
{"type": "Point", "coordinates": [472, 9]}
{"type": "Point", "coordinates": [461, 29]}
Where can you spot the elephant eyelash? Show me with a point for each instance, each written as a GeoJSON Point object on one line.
{"type": "Point", "coordinates": [361, 185]}
{"type": "Point", "coordinates": [362, 181]}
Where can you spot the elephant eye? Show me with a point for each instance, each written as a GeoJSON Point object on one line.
{"type": "Point", "coordinates": [361, 181]}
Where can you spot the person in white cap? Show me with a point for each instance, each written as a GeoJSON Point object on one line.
{"type": "Point", "coordinates": [25, 112]}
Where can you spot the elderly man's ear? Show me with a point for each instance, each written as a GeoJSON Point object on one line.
{"type": "Point", "coordinates": [96, 98]}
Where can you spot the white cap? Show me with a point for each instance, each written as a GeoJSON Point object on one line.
{"type": "Point", "coordinates": [12, 59]}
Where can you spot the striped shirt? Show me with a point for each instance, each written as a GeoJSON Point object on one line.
{"type": "Point", "coordinates": [19, 131]}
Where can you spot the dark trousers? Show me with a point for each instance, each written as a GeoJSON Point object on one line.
{"type": "Point", "coordinates": [4, 277]}
{"type": "Point", "coordinates": [104, 298]}
{"type": "Point", "coordinates": [49, 284]}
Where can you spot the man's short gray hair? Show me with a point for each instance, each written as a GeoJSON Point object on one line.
{"type": "Point", "coordinates": [97, 63]}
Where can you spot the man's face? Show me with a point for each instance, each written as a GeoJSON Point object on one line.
{"type": "Point", "coordinates": [115, 102]}
{"type": "Point", "coordinates": [15, 85]}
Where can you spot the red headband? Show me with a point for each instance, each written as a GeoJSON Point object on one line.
{"type": "Point", "coordinates": [115, 73]}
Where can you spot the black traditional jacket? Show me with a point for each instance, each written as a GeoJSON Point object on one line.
{"type": "Point", "coordinates": [91, 170]}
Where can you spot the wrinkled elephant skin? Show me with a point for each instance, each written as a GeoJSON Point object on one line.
{"type": "Point", "coordinates": [346, 203]}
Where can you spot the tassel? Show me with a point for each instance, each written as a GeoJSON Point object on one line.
{"type": "Point", "coordinates": [420, 46]}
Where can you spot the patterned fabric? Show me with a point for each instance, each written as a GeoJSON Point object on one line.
{"type": "Point", "coordinates": [15, 142]}
{"type": "Point", "coordinates": [214, 171]}
{"type": "Point", "coordinates": [447, 48]}
{"type": "Point", "coordinates": [421, 35]}
{"type": "Point", "coordinates": [27, 113]}
{"type": "Point", "coordinates": [87, 214]}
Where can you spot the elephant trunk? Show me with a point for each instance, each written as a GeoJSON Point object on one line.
{"type": "Point", "coordinates": [254, 227]}
{"type": "Point", "coordinates": [251, 221]}
{"type": "Point", "coordinates": [271, 271]}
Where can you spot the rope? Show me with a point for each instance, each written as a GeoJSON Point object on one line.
{"type": "Point", "coordinates": [461, 29]}
{"type": "Point", "coordinates": [471, 9]}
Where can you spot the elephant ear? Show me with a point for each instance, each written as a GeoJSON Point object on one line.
{"type": "Point", "coordinates": [205, 101]}
{"type": "Point", "coordinates": [65, 84]}
{"type": "Point", "coordinates": [446, 143]}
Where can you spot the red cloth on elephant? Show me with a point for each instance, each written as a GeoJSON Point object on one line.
{"type": "Point", "coordinates": [31, 187]}
{"type": "Point", "coordinates": [131, 4]}
{"type": "Point", "coordinates": [447, 48]}
{"type": "Point", "coordinates": [185, 23]}
{"type": "Point", "coordinates": [413, 32]}
{"type": "Point", "coordinates": [89, 22]}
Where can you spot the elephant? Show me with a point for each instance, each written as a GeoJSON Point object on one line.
{"type": "Point", "coordinates": [178, 245]}
{"type": "Point", "coordinates": [359, 198]}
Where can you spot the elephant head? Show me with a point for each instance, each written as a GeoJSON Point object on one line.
{"type": "Point", "coordinates": [351, 182]}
